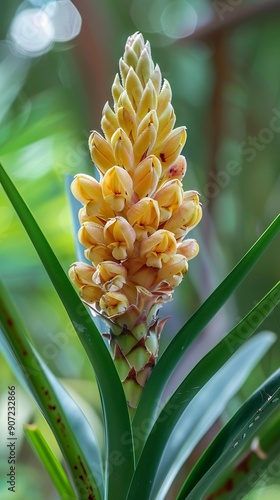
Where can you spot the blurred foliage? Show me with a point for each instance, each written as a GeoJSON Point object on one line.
{"type": "Point", "coordinates": [225, 80]}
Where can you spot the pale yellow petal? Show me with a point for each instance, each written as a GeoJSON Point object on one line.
{"type": "Point", "coordinates": [123, 150]}
{"type": "Point", "coordinates": [170, 150]}
{"type": "Point", "coordinates": [109, 122]}
{"type": "Point", "coordinates": [187, 216]}
{"type": "Point", "coordinates": [91, 234]}
{"type": "Point", "coordinates": [172, 272]}
{"type": "Point", "coordinates": [98, 253]}
{"type": "Point", "coordinates": [145, 67]}
{"type": "Point", "coordinates": [144, 217]}
{"type": "Point", "coordinates": [169, 198]}
{"type": "Point", "coordinates": [113, 303]}
{"type": "Point", "coordinates": [146, 176]}
{"type": "Point", "coordinates": [117, 90]}
{"type": "Point", "coordinates": [116, 188]}
{"type": "Point", "coordinates": [148, 100]}
{"type": "Point", "coordinates": [127, 117]}
{"type": "Point", "coordinates": [144, 142]}
{"type": "Point", "coordinates": [158, 247]}
{"type": "Point", "coordinates": [189, 248]}
{"type": "Point", "coordinates": [119, 237]}
{"type": "Point", "coordinates": [176, 171]}
{"type": "Point", "coordinates": [164, 98]}
{"type": "Point", "coordinates": [81, 274]}
{"type": "Point", "coordinates": [90, 294]}
{"type": "Point", "coordinates": [110, 276]}
{"type": "Point", "coordinates": [166, 123]}
{"type": "Point", "coordinates": [85, 188]}
{"type": "Point", "coordinates": [101, 152]}
{"type": "Point", "coordinates": [134, 88]}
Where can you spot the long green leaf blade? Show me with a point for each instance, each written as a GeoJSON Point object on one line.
{"type": "Point", "coordinates": [238, 432]}
{"type": "Point", "coordinates": [147, 409]}
{"type": "Point", "coordinates": [65, 418]}
{"type": "Point", "coordinates": [208, 366]}
{"type": "Point", "coordinates": [177, 432]}
{"type": "Point", "coordinates": [49, 460]}
{"type": "Point", "coordinates": [257, 464]}
{"type": "Point", "coordinates": [204, 371]}
{"type": "Point", "coordinates": [117, 423]}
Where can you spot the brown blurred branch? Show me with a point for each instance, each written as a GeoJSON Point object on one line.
{"type": "Point", "coordinates": [233, 18]}
{"type": "Point", "coordinates": [220, 60]}
{"type": "Point", "coordinates": [93, 57]}
{"type": "Point", "coordinates": [215, 32]}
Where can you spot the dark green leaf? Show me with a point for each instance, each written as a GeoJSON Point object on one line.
{"type": "Point", "coordinates": [257, 464]}
{"type": "Point", "coordinates": [68, 423]}
{"type": "Point", "coordinates": [118, 472]}
{"type": "Point", "coordinates": [50, 462]}
{"type": "Point", "coordinates": [148, 406]}
{"type": "Point", "coordinates": [177, 430]}
{"type": "Point", "coordinates": [238, 432]}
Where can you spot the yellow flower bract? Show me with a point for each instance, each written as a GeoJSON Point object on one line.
{"type": "Point", "coordinates": [135, 218]}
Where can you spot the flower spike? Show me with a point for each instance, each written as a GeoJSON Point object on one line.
{"type": "Point", "coordinates": [134, 220]}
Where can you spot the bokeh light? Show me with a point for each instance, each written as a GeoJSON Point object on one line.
{"type": "Point", "coordinates": [34, 30]}
{"type": "Point", "coordinates": [178, 19]}
{"type": "Point", "coordinates": [66, 20]}
{"type": "Point", "coordinates": [173, 19]}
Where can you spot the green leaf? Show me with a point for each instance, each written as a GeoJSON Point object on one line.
{"type": "Point", "coordinates": [117, 423]}
{"type": "Point", "coordinates": [50, 462]}
{"type": "Point", "coordinates": [13, 74]}
{"type": "Point", "coordinates": [258, 464]}
{"type": "Point", "coordinates": [206, 368]}
{"type": "Point", "coordinates": [198, 377]}
{"type": "Point", "coordinates": [177, 430]}
{"type": "Point", "coordinates": [234, 436]}
{"type": "Point", "coordinates": [200, 416]}
{"type": "Point", "coordinates": [68, 423]}
{"type": "Point", "coordinates": [43, 119]}
{"type": "Point", "coordinates": [148, 407]}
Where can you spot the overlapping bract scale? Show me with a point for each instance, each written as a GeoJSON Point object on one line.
{"type": "Point", "coordinates": [135, 218]}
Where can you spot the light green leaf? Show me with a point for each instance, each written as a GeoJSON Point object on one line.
{"type": "Point", "coordinates": [237, 433]}
{"type": "Point", "coordinates": [68, 423]}
{"type": "Point", "coordinates": [148, 406]}
{"type": "Point", "coordinates": [13, 71]}
{"type": "Point", "coordinates": [117, 423]}
{"type": "Point", "coordinates": [50, 462]}
{"type": "Point", "coordinates": [177, 430]}
{"type": "Point", "coordinates": [210, 364]}
{"type": "Point", "coordinates": [40, 120]}
{"type": "Point", "coordinates": [199, 417]}
{"type": "Point", "coordinates": [256, 466]}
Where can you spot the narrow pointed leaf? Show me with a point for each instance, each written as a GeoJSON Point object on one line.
{"type": "Point", "coordinates": [170, 359]}
{"type": "Point", "coordinates": [50, 462]}
{"type": "Point", "coordinates": [69, 425]}
{"type": "Point", "coordinates": [176, 437]}
{"type": "Point", "coordinates": [258, 463]}
{"type": "Point", "coordinates": [118, 473]}
{"type": "Point", "coordinates": [206, 368]}
{"type": "Point", "coordinates": [237, 433]}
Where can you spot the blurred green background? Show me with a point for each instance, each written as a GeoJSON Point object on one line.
{"type": "Point", "coordinates": [57, 63]}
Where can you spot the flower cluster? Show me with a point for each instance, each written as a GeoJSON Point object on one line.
{"type": "Point", "coordinates": [134, 220]}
